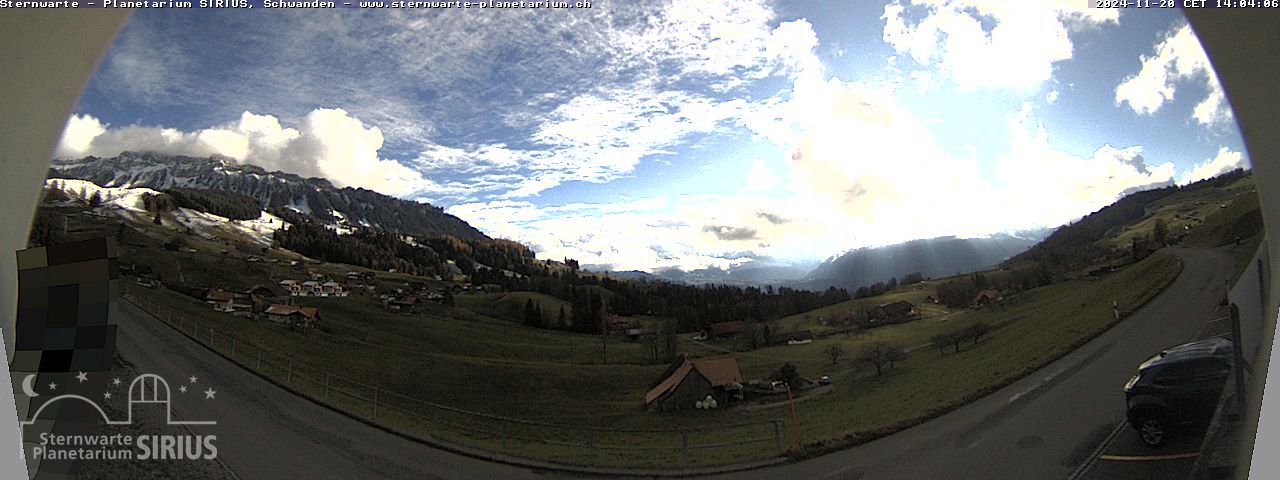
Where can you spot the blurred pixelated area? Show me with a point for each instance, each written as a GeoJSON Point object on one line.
{"type": "Point", "coordinates": [64, 343]}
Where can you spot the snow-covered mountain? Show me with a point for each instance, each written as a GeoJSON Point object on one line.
{"type": "Point", "coordinates": [130, 203]}
{"type": "Point", "coordinates": [313, 196]}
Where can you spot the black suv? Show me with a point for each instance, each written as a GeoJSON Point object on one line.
{"type": "Point", "coordinates": [1176, 386]}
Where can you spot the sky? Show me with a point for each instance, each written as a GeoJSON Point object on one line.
{"type": "Point", "coordinates": [651, 135]}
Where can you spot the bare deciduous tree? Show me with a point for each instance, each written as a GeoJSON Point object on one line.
{"type": "Point", "coordinates": [834, 352]}
{"type": "Point", "coordinates": [976, 331]}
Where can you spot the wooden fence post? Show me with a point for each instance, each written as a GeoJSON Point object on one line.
{"type": "Point", "coordinates": [375, 403]}
{"type": "Point", "coordinates": [326, 385]}
{"type": "Point", "coordinates": [289, 376]}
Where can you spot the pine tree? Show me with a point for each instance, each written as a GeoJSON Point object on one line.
{"type": "Point", "coordinates": [530, 314]}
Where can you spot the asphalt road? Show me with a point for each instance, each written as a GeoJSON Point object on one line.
{"type": "Point", "coordinates": [1042, 426]}
{"type": "Point", "coordinates": [1047, 424]}
{"type": "Point", "coordinates": [264, 432]}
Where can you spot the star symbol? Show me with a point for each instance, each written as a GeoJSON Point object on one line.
{"type": "Point", "coordinates": [116, 381]}
{"type": "Point", "coordinates": [106, 395]}
{"type": "Point", "coordinates": [193, 379]}
{"type": "Point", "coordinates": [209, 393]}
{"type": "Point", "coordinates": [82, 377]}
{"type": "Point", "coordinates": [182, 389]}
{"type": "Point", "coordinates": [53, 386]}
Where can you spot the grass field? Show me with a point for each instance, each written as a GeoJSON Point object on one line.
{"type": "Point", "coordinates": [466, 359]}
{"type": "Point", "coordinates": [1193, 212]}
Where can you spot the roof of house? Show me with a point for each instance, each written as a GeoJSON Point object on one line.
{"type": "Point", "coordinates": [310, 283]}
{"type": "Point", "coordinates": [279, 309]}
{"type": "Point", "coordinates": [722, 328]}
{"type": "Point", "coordinates": [720, 371]}
{"type": "Point", "coordinates": [219, 296]}
{"type": "Point", "coordinates": [898, 305]}
{"type": "Point", "coordinates": [670, 383]}
{"type": "Point", "coordinates": [287, 282]}
{"type": "Point", "coordinates": [405, 300]}
{"type": "Point", "coordinates": [331, 284]}
{"type": "Point", "coordinates": [988, 293]}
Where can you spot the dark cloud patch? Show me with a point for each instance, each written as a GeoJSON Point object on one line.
{"type": "Point", "coordinates": [1137, 162]}
{"type": "Point", "coordinates": [772, 218]}
{"type": "Point", "coordinates": [725, 232]}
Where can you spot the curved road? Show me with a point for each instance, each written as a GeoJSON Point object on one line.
{"type": "Point", "coordinates": [1046, 424]}
{"type": "Point", "coordinates": [1042, 426]}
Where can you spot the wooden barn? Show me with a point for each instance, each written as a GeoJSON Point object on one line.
{"type": "Point", "coordinates": [688, 381]}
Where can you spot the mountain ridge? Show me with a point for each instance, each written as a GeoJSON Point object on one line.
{"type": "Point", "coordinates": [317, 197]}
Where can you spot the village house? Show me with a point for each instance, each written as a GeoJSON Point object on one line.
{"type": "Point", "coordinates": [987, 297]}
{"type": "Point", "coordinates": [726, 330]}
{"type": "Point", "coordinates": [221, 301]}
{"type": "Point", "coordinates": [296, 318]}
{"type": "Point", "coordinates": [894, 311]}
{"type": "Point", "coordinates": [331, 289]}
{"type": "Point", "coordinates": [311, 287]}
{"type": "Point", "coordinates": [292, 286]}
{"type": "Point", "coordinates": [618, 324]}
{"type": "Point", "coordinates": [688, 381]}
{"type": "Point", "coordinates": [793, 338]}
{"type": "Point", "coordinates": [406, 303]}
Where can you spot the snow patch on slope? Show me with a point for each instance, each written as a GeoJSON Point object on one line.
{"type": "Point", "coordinates": [128, 202]}
{"type": "Point", "coordinates": [129, 199]}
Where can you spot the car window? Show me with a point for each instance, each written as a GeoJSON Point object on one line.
{"type": "Point", "coordinates": [1207, 369]}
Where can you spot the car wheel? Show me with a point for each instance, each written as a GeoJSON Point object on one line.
{"type": "Point", "coordinates": [1151, 430]}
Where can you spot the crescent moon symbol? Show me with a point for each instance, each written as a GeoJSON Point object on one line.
{"type": "Point", "coordinates": [26, 386]}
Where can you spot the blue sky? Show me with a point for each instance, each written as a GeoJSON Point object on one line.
{"type": "Point", "coordinates": [683, 134]}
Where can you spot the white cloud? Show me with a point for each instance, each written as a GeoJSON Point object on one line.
{"type": "Point", "coordinates": [1041, 185]}
{"type": "Point", "coordinates": [1179, 58]}
{"type": "Point", "coordinates": [1018, 51]}
{"type": "Point", "coordinates": [1051, 97]}
{"type": "Point", "coordinates": [328, 143]}
{"type": "Point", "coordinates": [1226, 161]}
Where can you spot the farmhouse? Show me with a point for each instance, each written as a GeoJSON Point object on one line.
{"type": "Point", "coordinates": [405, 303]}
{"type": "Point", "coordinates": [726, 330]}
{"type": "Point", "coordinates": [619, 324]}
{"type": "Point", "coordinates": [221, 301]}
{"type": "Point", "coordinates": [987, 297]}
{"type": "Point", "coordinates": [298, 318]}
{"type": "Point", "coordinates": [792, 338]}
{"type": "Point", "coordinates": [688, 381]}
{"type": "Point", "coordinates": [898, 310]}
